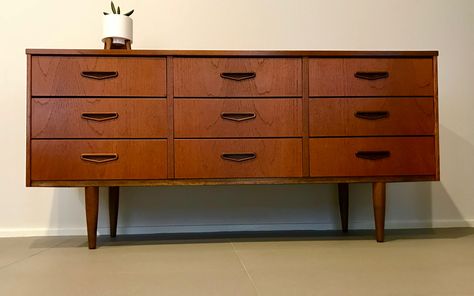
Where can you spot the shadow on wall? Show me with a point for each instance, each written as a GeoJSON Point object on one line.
{"type": "Point", "coordinates": [205, 209]}
{"type": "Point", "coordinates": [453, 195]}
{"type": "Point", "coordinates": [67, 214]}
{"type": "Point", "coordinates": [277, 207]}
{"type": "Point", "coordinates": [230, 208]}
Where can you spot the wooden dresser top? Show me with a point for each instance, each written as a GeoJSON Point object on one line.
{"type": "Point", "coordinates": [270, 53]}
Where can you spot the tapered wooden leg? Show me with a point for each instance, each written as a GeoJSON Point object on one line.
{"type": "Point", "coordinates": [113, 209]}
{"type": "Point", "coordinates": [378, 196]}
{"type": "Point", "coordinates": [128, 44]}
{"type": "Point", "coordinates": [343, 192]}
{"type": "Point", "coordinates": [92, 211]}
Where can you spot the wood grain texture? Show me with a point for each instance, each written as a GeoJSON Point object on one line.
{"type": "Point", "coordinates": [378, 199]}
{"type": "Point", "coordinates": [337, 156]}
{"type": "Point", "coordinates": [170, 102]}
{"type": "Point", "coordinates": [235, 53]}
{"type": "Point", "coordinates": [305, 142]}
{"type": "Point", "coordinates": [259, 101]}
{"type": "Point", "coordinates": [436, 116]}
{"type": "Point", "coordinates": [206, 118]}
{"type": "Point", "coordinates": [114, 194]}
{"type": "Point", "coordinates": [62, 118]}
{"type": "Point", "coordinates": [61, 76]}
{"type": "Point", "coordinates": [28, 122]}
{"type": "Point", "coordinates": [203, 158]}
{"type": "Point", "coordinates": [343, 196]}
{"type": "Point", "coordinates": [334, 77]}
{"type": "Point", "coordinates": [232, 181]}
{"type": "Point", "coordinates": [92, 214]}
{"type": "Point", "coordinates": [337, 117]}
{"type": "Point", "coordinates": [61, 159]}
{"type": "Point", "coordinates": [201, 77]}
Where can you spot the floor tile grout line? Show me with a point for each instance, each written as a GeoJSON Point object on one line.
{"type": "Point", "coordinates": [32, 255]}
{"type": "Point", "coordinates": [245, 268]}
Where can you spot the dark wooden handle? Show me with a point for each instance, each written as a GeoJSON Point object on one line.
{"type": "Point", "coordinates": [238, 157]}
{"type": "Point", "coordinates": [371, 75]}
{"type": "Point", "coordinates": [238, 76]}
{"type": "Point", "coordinates": [99, 75]}
{"type": "Point", "coordinates": [238, 116]}
{"type": "Point", "coordinates": [372, 115]}
{"type": "Point", "coordinates": [99, 157]}
{"type": "Point", "coordinates": [99, 116]}
{"type": "Point", "coordinates": [373, 155]}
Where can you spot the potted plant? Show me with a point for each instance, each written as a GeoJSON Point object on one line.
{"type": "Point", "coordinates": [117, 30]}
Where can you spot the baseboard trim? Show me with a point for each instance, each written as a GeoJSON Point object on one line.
{"type": "Point", "coordinates": [26, 232]}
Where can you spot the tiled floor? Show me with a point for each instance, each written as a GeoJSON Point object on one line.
{"type": "Point", "coordinates": [411, 262]}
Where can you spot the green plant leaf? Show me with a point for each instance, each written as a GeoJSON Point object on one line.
{"type": "Point", "coordinates": [118, 9]}
{"type": "Point", "coordinates": [129, 13]}
{"type": "Point", "coordinates": [113, 7]}
{"type": "Point", "coordinates": [106, 13]}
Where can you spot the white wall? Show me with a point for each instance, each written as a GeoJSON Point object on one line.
{"type": "Point", "coordinates": [447, 26]}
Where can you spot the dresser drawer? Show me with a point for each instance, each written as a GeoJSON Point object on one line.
{"type": "Point", "coordinates": [237, 77]}
{"type": "Point", "coordinates": [98, 159]}
{"type": "Point", "coordinates": [98, 76]}
{"type": "Point", "coordinates": [98, 118]}
{"type": "Point", "coordinates": [371, 117]}
{"type": "Point", "coordinates": [238, 158]}
{"type": "Point", "coordinates": [330, 77]}
{"type": "Point", "coordinates": [213, 118]}
{"type": "Point", "coordinates": [365, 157]}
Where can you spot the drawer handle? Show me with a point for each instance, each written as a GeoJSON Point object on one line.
{"type": "Point", "coordinates": [238, 76]}
{"type": "Point", "coordinates": [372, 115]}
{"type": "Point", "coordinates": [99, 75]}
{"type": "Point", "coordinates": [238, 157]}
{"type": "Point", "coordinates": [371, 75]}
{"type": "Point", "coordinates": [99, 157]}
{"type": "Point", "coordinates": [99, 116]}
{"type": "Point", "coordinates": [373, 155]}
{"type": "Point", "coordinates": [238, 116]}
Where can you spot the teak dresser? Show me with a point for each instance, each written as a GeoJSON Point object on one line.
{"type": "Point", "coordinates": [149, 118]}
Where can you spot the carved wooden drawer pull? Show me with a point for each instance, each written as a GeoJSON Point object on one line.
{"type": "Point", "coordinates": [371, 75]}
{"type": "Point", "coordinates": [99, 75]}
{"type": "Point", "coordinates": [372, 115]}
{"type": "Point", "coordinates": [238, 157]}
{"type": "Point", "coordinates": [99, 116]}
{"type": "Point", "coordinates": [373, 155]}
{"type": "Point", "coordinates": [99, 157]}
{"type": "Point", "coordinates": [238, 76]}
{"type": "Point", "coordinates": [238, 116]}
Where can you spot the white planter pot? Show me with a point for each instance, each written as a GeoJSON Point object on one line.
{"type": "Point", "coordinates": [117, 26]}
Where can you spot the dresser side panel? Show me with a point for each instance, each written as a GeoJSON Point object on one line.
{"type": "Point", "coordinates": [436, 117]}
{"type": "Point", "coordinates": [28, 121]}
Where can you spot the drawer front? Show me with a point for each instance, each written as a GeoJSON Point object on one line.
{"type": "Point", "coordinates": [98, 76]}
{"type": "Point", "coordinates": [98, 159]}
{"type": "Point", "coordinates": [237, 77]}
{"type": "Point", "coordinates": [367, 157]}
{"type": "Point", "coordinates": [98, 118]}
{"type": "Point", "coordinates": [371, 117]}
{"type": "Point", "coordinates": [370, 77]}
{"type": "Point", "coordinates": [213, 118]}
{"type": "Point", "coordinates": [238, 158]}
